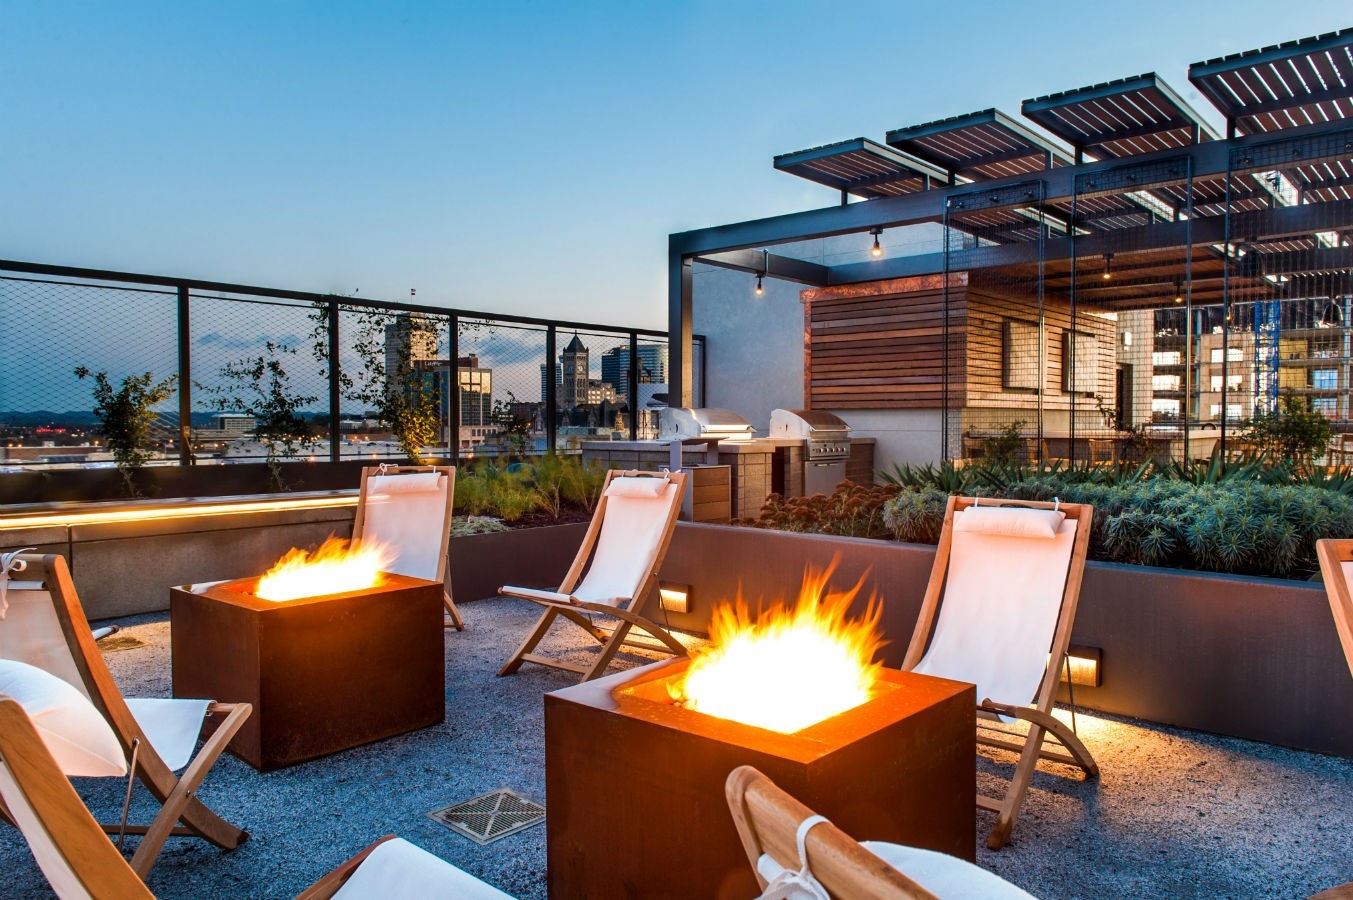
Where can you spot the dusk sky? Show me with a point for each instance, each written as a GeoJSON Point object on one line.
{"type": "Point", "coordinates": [510, 157]}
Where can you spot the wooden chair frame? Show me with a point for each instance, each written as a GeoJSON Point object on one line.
{"type": "Point", "coordinates": [1332, 554]}
{"type": "Point", "coordinates": [454, 619]}
{"type": "Point", "coordinates": [1042, 724]}
{"type": "Point", "coordinates": [767, 820]}
{"type": "Point", "coordinates": [86, 852]}
{"type": "Point", "coordinates": [182, 814]}
{"type": "Point", "coordinates": [562, 603]}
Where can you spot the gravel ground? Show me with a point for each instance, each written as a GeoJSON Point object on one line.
{"type": "Point", "coordinates": [1175, 813]}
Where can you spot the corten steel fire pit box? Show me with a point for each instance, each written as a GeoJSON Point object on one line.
{"type": "Point", "coordinates": [323, 673]}
{"type": "Point", "coordinates": [635, 784]}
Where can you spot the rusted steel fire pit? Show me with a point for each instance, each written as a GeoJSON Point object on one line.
{"type": "Point", "coordinates": [636, 783]}
{"type": "Point", "coordinates": [324, 673]}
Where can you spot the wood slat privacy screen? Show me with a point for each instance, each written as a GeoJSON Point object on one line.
{"type": "Point", "coordinates": [881, 346]}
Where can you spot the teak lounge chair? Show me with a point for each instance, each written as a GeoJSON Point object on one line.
{"type": "Point", "coordinates": [998, 612]}
{"type": "Point", "coordinates": [626, 541]}
{"type": "Point", "coordinates": [46, 627]}
{"type": "Point", "coordinates": [408, 508]}
{"type": "Point", "coordinates": [80, 862]}
{"type": "Point", "coordinates": [799, 855]}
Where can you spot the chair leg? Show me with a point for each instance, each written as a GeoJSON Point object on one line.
{"type": "Point", "coordinates": [181, 804]}
{"type": "Point", "coordinates": [1019, 786]}
{"type": "Point", "coordinates": [609, 651]}
{"type": "Point", "coordinates": [452, 614]}
{"type": "Point", "coordinates": [542, 626]}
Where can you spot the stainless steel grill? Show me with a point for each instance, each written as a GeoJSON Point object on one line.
{"type": "Point", "coordinates": [828, 445]}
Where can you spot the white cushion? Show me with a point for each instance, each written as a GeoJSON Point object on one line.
{"type": "Point", "coordinates": [636, 486]}
{"type": "Point", "coordinates": [944, 875]}
{"type": "Point", "coordinates": [76, 734]}
{"type": "Point", "coordinates": [1010, 521]}
{"type": "Point", "coordinates": [411, 483]}
{"type": "Point", "coordinates": [397, 870]}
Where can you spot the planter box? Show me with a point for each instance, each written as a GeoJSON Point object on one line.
{"type": "Point", "coordinates": [1254, 658]}
{"type": "Point", "coordinates": [526, 557]}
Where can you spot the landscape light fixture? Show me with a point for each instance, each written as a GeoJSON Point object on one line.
{"type": "Point", "coordinates": [876, 251]}
{"type": "Point", "coordinates": [1108, 266]}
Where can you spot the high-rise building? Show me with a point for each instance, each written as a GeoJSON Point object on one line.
{"type": "Point", "coordinates": [615, 366]}
{"type": "Point", "coordinates": [409, 341]}
{"type": "Point", "coordinates": [547, 372]}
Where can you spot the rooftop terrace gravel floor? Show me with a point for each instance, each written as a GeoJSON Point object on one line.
{"type": "Point", "coordinates": [1175, 813]}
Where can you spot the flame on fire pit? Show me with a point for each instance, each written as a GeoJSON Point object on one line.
{"type": "Point", "coordinates": [336, 567]}
{"type": "Point", "coordinates": [790, 668]}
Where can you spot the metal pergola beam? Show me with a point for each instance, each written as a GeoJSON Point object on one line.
{"type": "Point", "coordinates": [785, 268]}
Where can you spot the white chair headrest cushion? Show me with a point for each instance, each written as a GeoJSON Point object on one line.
{"type": "Point", "coordinates": [78, 737]}
{"type": "Point", "coordinates": [413, 483]}
{"type": "Point", "coordinates": [1010, 521]}
{"type": "Point", "coordinates": [637, 486]}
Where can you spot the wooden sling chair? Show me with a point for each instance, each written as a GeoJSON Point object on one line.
{"type": "Point", "coordinates": [78, 861]}
{"type": "Point", "coordinates": [45, 626]}
{"type": "Point", "coordinates": [408, 508]}
{"type": "Point", "coordinates": [998, 613]}
{"type": "Point", "coordinates": [626, 541]}
{"type": "Point", "coordinates": [796, 854]}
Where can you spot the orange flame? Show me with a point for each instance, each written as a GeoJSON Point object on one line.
{"type": "Point", "coordinates": [790, 668]}
{"type": "Point", "coordinates": [336, 567]}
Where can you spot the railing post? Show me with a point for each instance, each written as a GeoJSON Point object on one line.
{"type": "Point", "coordinates": [335, 400]}
{"type": "Point", "coordinates": [632, 384]}
{"type": "Point", "coordinates": [453, 390]}
{"type": "Point", "coordinates": [185, 379]}
{"type": "Point", "coordinates": [551, 397]}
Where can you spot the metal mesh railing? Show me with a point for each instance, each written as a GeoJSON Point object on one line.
{"type": "Point", "coordinates": [255, 373]}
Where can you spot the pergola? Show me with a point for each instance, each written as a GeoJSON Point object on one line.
{"type": "Point", "coordinates": [1122, 174]}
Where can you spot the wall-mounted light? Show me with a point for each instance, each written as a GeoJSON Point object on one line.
{"type": "Point", "coordinates": [675, 597]}
{"type": "Point", "coordinates": [1108, 266]}
{"type": "Point", "coordinates": [876, 251]}
{"type": "Point", "coordinates": [1083, 666]}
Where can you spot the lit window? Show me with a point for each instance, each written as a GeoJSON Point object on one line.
{"type": "Point", "coordinates": [1166, 382]}
{"type": "Point", "coordinates": [1167, 358]}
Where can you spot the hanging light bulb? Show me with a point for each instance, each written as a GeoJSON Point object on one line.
{"type": "Point", "coordinates": [1178, 291]}
{"type": "Point", "coordinates": [1108, 266]}
{"type": "Point", "coordinates": [761, 273]}
{"type": "Point", "coordinates": [876, 251]}
{"type": "Point", "coordinates": [759, 289]}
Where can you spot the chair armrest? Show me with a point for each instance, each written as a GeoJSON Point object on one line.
{"type": "Point", "coordinates": [539, 596]}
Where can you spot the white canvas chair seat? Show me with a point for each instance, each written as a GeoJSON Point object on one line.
{"type": "Point", "coordinates": [1002, 597]}
{"type": "Point", "coordinates": [399, 870]}
{"type": "Point", "coordinates": [998, 613]}
{"type": "Point", "coordinates": [408, 509]}
{"type": "Point", "coordinates": [45, 626]}
{"type": "Point", "coordinates": [625, 543]}
{"type": "Point", "coordinates": [78, 861]}
{"type": "Point", "coordinates": [172, 726]}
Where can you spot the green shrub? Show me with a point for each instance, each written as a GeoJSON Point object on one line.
{"type": "Point", "coordinates": [852, 509]}
{"type": "Point", "coordinates": [1297, 431]}
{"type": "Point", "coordinates": [1236, 523]}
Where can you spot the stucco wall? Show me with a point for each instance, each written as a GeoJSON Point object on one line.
{"type": "Point", "coordinates": [754, 345]}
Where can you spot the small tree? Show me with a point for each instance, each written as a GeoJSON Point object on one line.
{"type": "Point", "coordinates": [1297, 431]}
{"type": "Point", "coordinates": [513, 430]}
{"type": "Point", "coordinates": [126, 416]}
{"type": "Point", "coordinates": [259, 386]}
{"type": "Point", "coordinates": [405, 397]}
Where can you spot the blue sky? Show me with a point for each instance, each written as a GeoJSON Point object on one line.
{"type": "Point", "coordinates": [509, 157]}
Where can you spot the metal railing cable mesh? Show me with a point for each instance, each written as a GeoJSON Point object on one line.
{"type": "Point", "coordinates": [252, 374]}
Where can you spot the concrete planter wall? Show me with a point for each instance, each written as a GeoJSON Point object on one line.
{"type": "Point", "coordinates": [1249, 657]}
{"type": "Point", "coordinates": [527, 557]}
